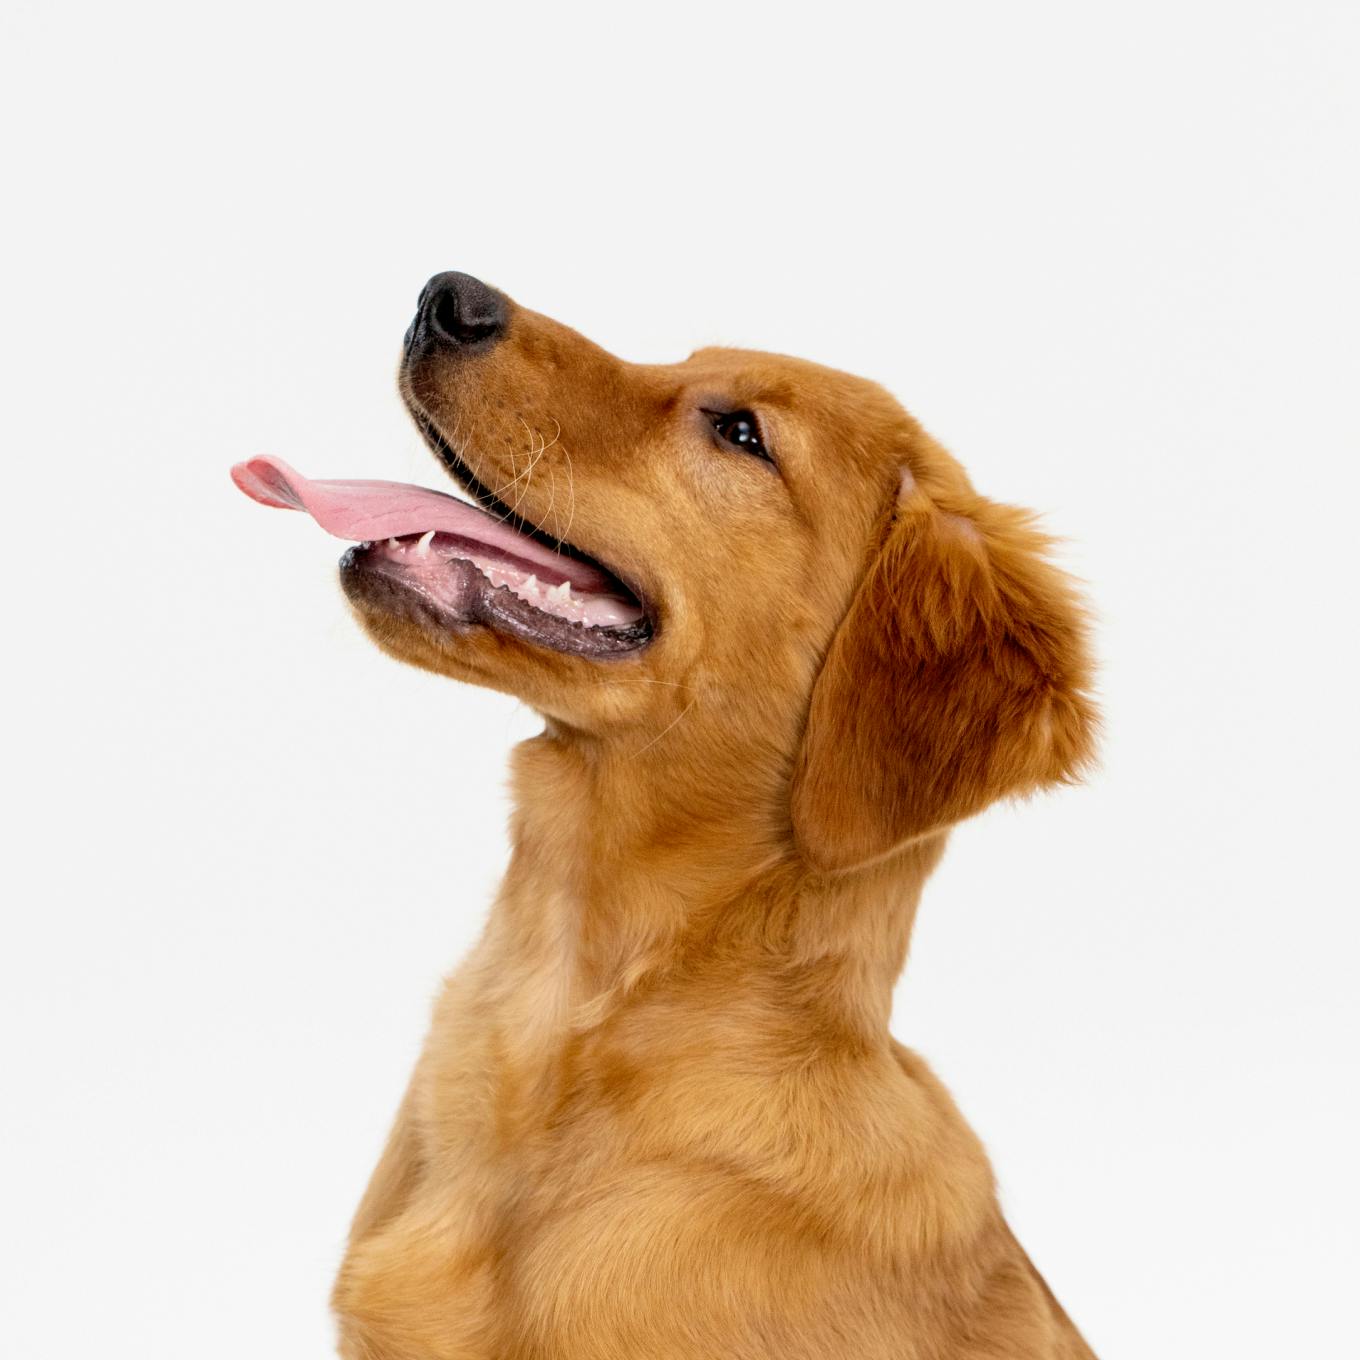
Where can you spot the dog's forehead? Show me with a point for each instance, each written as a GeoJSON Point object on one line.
{"type": "Point", "coordinates": [788, 383]}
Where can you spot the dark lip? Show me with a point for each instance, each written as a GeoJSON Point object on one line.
{"type": "Point", "coordinates": [487, 499]}
{"type": "Point", "coordinates": [371, 581]}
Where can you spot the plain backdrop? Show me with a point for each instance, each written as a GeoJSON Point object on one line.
{"type": "Point", "coordinates": [1106, 253]}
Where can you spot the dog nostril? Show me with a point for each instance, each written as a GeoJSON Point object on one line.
{"type": "Point", "coordinates": [446, 318]}
{"type": "Point", "coordinates": [463, 310]}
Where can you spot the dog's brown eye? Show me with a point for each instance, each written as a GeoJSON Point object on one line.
{"type": "Point", "coordinates": [739, 429]}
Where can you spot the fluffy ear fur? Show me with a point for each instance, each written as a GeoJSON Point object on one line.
{"type": "Point", "coordinates": [956, 678]}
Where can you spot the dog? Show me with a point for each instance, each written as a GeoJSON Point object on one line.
{"type": "Point", "coordinates": [780, 646]}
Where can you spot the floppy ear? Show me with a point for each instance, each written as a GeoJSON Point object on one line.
{"type": "Point", "coordinates": [956, 678]}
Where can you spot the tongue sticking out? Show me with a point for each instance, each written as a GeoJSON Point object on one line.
{"type": "Point", "coordinates": [362, 511]}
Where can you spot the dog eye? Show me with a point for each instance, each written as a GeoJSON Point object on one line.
{"type": "Point", "coordinates": [739, 429]}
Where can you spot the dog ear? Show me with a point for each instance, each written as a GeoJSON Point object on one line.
{"type": "Point", "coordinates": [957, 677]}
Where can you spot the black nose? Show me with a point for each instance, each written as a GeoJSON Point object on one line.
{"type": "Point", "coordinates": [456, 309]}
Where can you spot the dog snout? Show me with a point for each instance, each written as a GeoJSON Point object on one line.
{"type": "Point", "coordinates": [456, 311]}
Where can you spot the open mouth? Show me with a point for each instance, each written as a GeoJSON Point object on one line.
{"type": "Point", "coordinates": [446, 564]}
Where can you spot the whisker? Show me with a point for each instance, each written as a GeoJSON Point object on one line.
{"type": "Point", "coordinates": [665, 729]}
{"type": "Point", "coordinates": [533, 463]}
{"type": "Point", "coordinates": [552, 494]}
{"type": "Point", "coordinates": [522, 478]}
{"type": "Point", "coordinates": [639, 680]}
{"type": "Point", "coordinates": [565, 535]}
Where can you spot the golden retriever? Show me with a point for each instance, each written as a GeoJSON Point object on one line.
{"type": "Point", "coordinates": [780, 645]}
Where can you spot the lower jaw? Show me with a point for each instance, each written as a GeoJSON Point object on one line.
{"type": "Point", "coordinates": [467, 600]}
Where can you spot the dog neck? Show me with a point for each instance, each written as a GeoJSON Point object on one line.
{"type": "Point", "coordinates": [668, 867]}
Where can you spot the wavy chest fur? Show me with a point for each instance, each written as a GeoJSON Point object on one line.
{"type": "Point", "coordinates": [659, 1114]}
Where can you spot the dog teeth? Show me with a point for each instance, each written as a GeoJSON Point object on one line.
{"type": "Point", "coordinates": [392, 543]}
{"type": "Point", "coordinates": [561, 594]}
{"type": "Point", "coordinates": [423, 547]}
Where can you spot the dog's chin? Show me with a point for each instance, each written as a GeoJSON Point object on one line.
{"type": "Point", "coordinates": [443, 598]}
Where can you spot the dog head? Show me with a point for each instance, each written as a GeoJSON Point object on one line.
{"type": "Point", "coordinates": [772, 551]}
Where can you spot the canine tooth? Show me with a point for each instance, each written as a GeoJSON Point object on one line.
{"type": "Point", "coordinates": [423, 547]}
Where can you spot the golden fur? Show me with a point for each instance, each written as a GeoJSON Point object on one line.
{"type": "Point", "coordinates": [659, 1112]}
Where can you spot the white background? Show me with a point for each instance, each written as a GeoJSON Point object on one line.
{"type": "Point", "coordinates": [1107, 253]}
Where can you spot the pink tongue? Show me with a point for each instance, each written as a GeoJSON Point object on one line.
{"type": "Point", "coordinates": [364, 511]}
